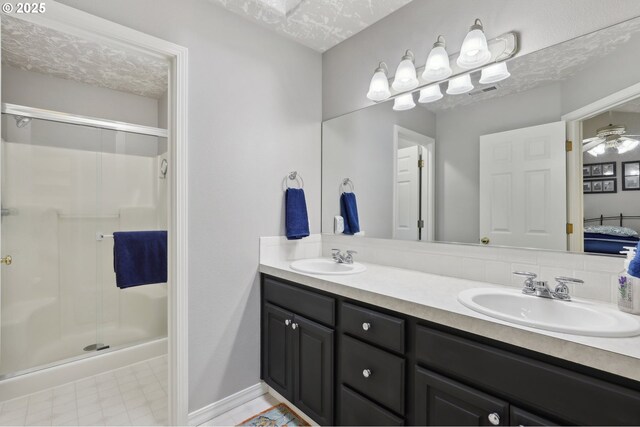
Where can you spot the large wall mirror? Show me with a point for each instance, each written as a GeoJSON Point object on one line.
{"type": "Point", "coordinates": [491, 166]}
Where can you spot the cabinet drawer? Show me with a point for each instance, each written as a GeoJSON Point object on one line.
{"type": "Point", "coordinates": [520, 417]}
{"type": "Point", "coordinates": [357, 410]}
{"type": "Point", "coordinates": [300, 301]}
{"type": "Point", "coordinates": [385, 384]}
{"type": "Point", "coordinates": [547, 389]}
{"type": "Point", "coordinates": [441, 401]}
{"type": "Point", "coordinates": [371, 326]}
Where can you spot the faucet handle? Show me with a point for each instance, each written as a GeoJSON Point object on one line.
{"type": "Point", "coordinates": [335, 250]}
{"type": "Point", "coordinates": [527, 274]}
{"type": "Point", "coordinates": [529, 285]}
{"type": "Point", "coordinates": [352, 252]}
{"type": "Point", "coordinates": [562, 289]}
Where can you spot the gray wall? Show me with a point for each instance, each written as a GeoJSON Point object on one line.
{"type": "Point", "coordinates": [254, 114]}
{"type": "Point", "coordinates": [360, 146]}
{"type": "Point", "coordinates": [347, 67]}
{"type": "Point", "coordinates": [52, 93]}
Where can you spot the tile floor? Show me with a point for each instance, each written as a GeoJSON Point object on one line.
{"type": "Point", "coordinates": [133, 395]}
{"type": "Point", "coordinates": [243, 412]}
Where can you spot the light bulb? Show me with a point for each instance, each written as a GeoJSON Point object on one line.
{"type": "Point", "coordinates": [460, 85]}
{"type": "Point", "coordinates": [430, 94]}
{"type": "Point", "coordinates": [379, 86]}
{"type": "Point", "coordinates": [405, 78]}
{"type": "Point", "coordinates": [404, 102]}
{"type": "Point", "coordinates": [597, 150]}
{"type": "Point", "coordinates": [474, 51]}
{"type": "Point", "coordinates": [494, 73]}
{"type": "Point", "coordinates": [437, 66]}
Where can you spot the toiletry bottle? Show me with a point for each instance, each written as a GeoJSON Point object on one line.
{"type": "Point", "coordinates": [628, 285]}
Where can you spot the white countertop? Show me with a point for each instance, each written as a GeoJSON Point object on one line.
{"type": "Point", "coordinates": [434, 298]}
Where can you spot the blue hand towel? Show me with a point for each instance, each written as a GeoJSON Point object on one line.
{"type": "Point", "coordinates": [349, 211]}
{"type": "Point", "coordinates": [139, 257]}
{"type": "Point", "coordinates": [296, 219]}
{"type": "Point", "coordinates": [634, 265]}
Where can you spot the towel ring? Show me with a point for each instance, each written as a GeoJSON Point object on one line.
{"type": "Point", "coordinates": [293, 176]}
{"type": "Point", "coordinates": [346, 182]}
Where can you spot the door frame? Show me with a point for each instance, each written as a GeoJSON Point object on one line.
{"type": "Point", "coordinates": [428, 145]}
{"type": "Point", "coordinates": [575, 197]}
{"type": "Point", "coordinates": [67, 19]}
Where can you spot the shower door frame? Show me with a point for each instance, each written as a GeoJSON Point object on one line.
{"type": "Point", "coordinates": [67, 19]}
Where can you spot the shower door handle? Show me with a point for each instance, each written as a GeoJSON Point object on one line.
{"type": "Point", "coordinates": [6, 260]}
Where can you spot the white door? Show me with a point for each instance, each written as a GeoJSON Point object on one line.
{"type": "Point", "coordinates": [523, 187]}
{"type": "Point", "coordinates": [407, 203]}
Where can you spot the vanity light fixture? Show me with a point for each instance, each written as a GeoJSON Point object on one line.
{"type": "Point", "coordinates": [437, 66]}
{"type": "Point", "coordinates": [475, 50]}
{"type": "Point", "coordinates": [404, 102]}
{"type": "Point", "coordinates": [430, 94]}
{"type": "Point", "coordinates": [379, 86]}
{"type": "Point", "coordinates": [494, 73]}
{"type": "Point", "coordinates": [459, 85]}
{"type": "Point", "coordinates": [406, 78]}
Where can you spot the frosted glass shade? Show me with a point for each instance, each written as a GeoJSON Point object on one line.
{"type": "Point", "coordinates": [404, 102]}
{"type": "Point", "coordinates": [597, 150]}
{"type": "Point", "coordinates": [627, 144]}
{"type": "Point", "coordinates": [459, 85]}
{"type": "Point", "coordinates": [437, 66]}
{"type": "Point", "coordinates": [379, 86]}
{"type": "Point", "coordinates": [405, 78]}
{"type": "Point", "coordinates": [430, 94]}
{"type": "Point", "coordinates": [494, 73]}
{"type": "Point", "coordinates": [474, 51]}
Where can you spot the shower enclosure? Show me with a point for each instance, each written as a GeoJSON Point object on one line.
{"type": "Point", "coordinates": [69, 182]}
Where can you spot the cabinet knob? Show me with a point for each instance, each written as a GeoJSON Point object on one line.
{"type": "Point", "coordinates": [494, 419]}
{"type": "Point", "coordinates": [287, 322]}
{"type": "Point", "coordinates": [366, 373]}
{"type": "Point", "coordinates": [294, 326]}
{"type": "Point", "coordinates": [366, 326]}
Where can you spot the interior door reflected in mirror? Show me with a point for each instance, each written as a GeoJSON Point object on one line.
{"type": "Point", "coordinates": [498, 172]}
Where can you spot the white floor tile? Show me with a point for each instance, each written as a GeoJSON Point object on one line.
{"type": "Point", "coordinates": [133, 395]}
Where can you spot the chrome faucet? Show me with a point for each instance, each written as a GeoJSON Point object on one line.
{"type": "Point", "coordinates": [540, 289]}
{"type": "Point", "coordinates": [341, 258]}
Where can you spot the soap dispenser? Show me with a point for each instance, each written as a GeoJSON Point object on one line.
{"type": "Point", "coordinates": [629, 282]}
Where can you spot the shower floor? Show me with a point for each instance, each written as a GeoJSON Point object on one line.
{"type": "Point", "coordinates": [133, 395]}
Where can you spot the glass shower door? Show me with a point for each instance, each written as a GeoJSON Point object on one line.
{"type": "Point", "coordinates": [50, 215]}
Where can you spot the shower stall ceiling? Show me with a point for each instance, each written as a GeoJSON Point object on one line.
{"type": "Point", "coordinates": [63, 187]}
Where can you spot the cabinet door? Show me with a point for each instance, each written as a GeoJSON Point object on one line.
{"type": "Point", "coordinates": [520, 417]}
{"type": "Point", "coordinates": [313, 370]}
{"type": "Point", "coordinates": [277, 349]}
{"type": "Point", "coordinates": [442, 401]}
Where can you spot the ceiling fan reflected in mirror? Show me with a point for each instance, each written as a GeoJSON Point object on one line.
{"type": "Point", "coordinates": [610, 137]}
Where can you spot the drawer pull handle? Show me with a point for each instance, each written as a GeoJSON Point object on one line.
{"type": "Point", "coordinates": [366, 373]}
{"type": "Point", "coordinates": [294, 326]}
{"type": "Point", "coordinates": [287, 322]}
{"type": "Point", "coordinates": [366, 326]}
{"type": "Point", "coordinates": [494, 419]}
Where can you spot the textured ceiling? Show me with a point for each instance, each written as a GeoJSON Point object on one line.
{"type": "Point", "coordinates": [318, 24]}
{"type": "Point", "coordinates": [548, 65]}
{"type": "Point", "coordinates": [35, 48]}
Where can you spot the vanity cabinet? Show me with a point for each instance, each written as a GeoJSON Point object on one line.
{"type": "Point", "coordinates": [298, 353]}
{"type": "Point", "coordinates": [350, 363]}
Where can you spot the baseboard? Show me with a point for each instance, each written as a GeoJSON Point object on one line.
{"type": "Point", "coordinates": [215, 409]}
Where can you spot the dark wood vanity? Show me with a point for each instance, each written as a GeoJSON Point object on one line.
{"type": "Point", "coordinates": [344, 362]}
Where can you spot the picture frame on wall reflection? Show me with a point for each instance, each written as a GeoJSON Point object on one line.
{"type": "Point", "coordinates": [586, 187]}
{"type": "Point", "coordinates": [631, 175]}
{"type": "Point", "coordinates": [600, 186]}
{"type": "Point", "coordinates": [594, 170]}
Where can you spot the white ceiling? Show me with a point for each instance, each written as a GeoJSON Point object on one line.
{"type": "Point", "coordinates": [318, 24]}
{"type": "Point", "coordinates": [32, 47]}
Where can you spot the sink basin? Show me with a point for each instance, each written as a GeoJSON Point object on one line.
{"type": "Point", "coordinates": [577, 317]}
{"type": "Point", "coordinates": [326, 266]}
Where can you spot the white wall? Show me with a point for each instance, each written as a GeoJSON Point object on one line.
{"type": "Point", "coordinates": [360, 146]}
{"type": "Point", "coordinates": [347, 67]}
{"type": "Point", "coordinates": [52, 93]}
{"type": "Point", "coordinates": [254, 115]}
